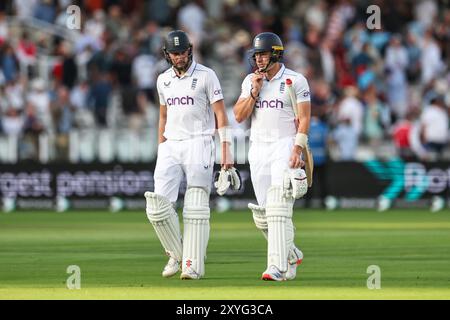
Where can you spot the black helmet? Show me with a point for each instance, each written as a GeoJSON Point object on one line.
{"type": "Point", "coordinates": [176, 41]}
{"type": "Point", "coordinates": [268, 42]}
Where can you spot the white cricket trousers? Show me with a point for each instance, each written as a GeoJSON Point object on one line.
{"type": "Point", "coordinates": [193, 158]}
{"type": "Point", "coordinates": [268, 163]}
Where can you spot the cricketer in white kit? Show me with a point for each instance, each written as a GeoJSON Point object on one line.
{"type": "Point", "coordinates": [275, 155]}
{"type": "Point", "coordinates": [190, 98]}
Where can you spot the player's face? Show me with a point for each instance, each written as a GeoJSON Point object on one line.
{"type": "Point", "coordinates": [180, 60]}
{"type": "Point", "coordinates": [262, 59]}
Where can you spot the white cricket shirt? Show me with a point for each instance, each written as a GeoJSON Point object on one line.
{"type": "Point", "coordinates": [273, 115]}
{"type": "Point", "coordinates": [188, 100]}
{"type": "Point", "coordinates": [436, 122]}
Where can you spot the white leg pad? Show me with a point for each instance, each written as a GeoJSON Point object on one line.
{"type": "Point", "coordinates": [280, 238]}
{"type": "Point", "coordinates": [259, 217]}
{"type": "Point", "coordinates": [163, 217]}
{"type": "Point", "coordinates": [196, 213]}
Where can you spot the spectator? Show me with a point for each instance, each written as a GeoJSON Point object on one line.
{"type": "Point", "coordinates": [27, 53]}
{"type": "Point", "coordinates": [4, 28]}
{"type": "Point", "coordinates": [9, 62]}
{"type": "Point", "coordinates": [83, 115]}
{"type": "Point", "coordinates": [408, 146]}
{"type": "Point", "coordinates": [63, 117]}
{"type": "Point", "coordinates": [32, 128]}
{"type": "Point", "coordinates": [14, 93]}
{"type": "Point", "coordinates": [40, 98]}
{"type": "Point", "coordinates": [351, 109]}
{"type": "Point", "coordinates": [376, 117]}
{"type": "Point", "coordinates": [144, 72]}
{"type": "Point", "coordinates": [69, 66]}
{"type": "Point", "coordinates": [318, 142]}
{"type": "Point", "coordinates": [12, 122]}
{"type": "Point", "coordinates": [435, 125]}
{"type": "Point", "coordinates": [121, 69]}
{"type": "Point", "coordinates": [46, 10]}
{"type": "Point", "coordinates": [396, 64]}
{"type": "Point", "coordinates": [431, 63]}
{"type": "Point", "coordinates": [25, 8]}
{"type": "Point", "coordinates": [98, 98]}
{"type": "Point", "coordinates": [345, 136]}
{"type": "Point", "coordinates": [413, 69]}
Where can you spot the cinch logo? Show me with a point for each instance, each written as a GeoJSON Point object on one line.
{"type": "Point", "coordinates": [180, 101]}
{"type": "Point", "coordinates": [269, 104]}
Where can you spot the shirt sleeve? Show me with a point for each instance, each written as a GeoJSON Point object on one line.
{"type": "Point", "coordinates": [246, 87]}
{"type": "Point", "coordinates": [302, 89]}
{"type": "Point", "coordinates": [162, 100]}
{"type": "Point", "coordinates": [213, 89]}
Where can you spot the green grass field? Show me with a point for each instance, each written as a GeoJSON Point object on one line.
{"type": "Point", "coordinates": [120, 257]}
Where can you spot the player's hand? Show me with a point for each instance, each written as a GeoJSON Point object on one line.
{"type": "Point", "coordinates": [257, 82]}
{"type": "Point", "coordinates": [227, 157]}
{"type": "Point", "coordinates": [295, 161]}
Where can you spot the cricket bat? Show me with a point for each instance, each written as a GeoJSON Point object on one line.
{"type": "Point", "coordinates": [308, 157]}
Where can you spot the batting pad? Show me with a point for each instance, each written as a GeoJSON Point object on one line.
{"type": "Point", "coordinates": [164, 219]}
{"type": "Point", "coordinates": [259, 216]}
{"type": "Point", "coordinates": [280, 237]}
{"type": "Point", "coordinates": [196, 214]}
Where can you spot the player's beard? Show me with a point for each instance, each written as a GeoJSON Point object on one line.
{"type": "Point", "coordinates": [182, 67]}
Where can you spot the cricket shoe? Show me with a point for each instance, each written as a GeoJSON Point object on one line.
{"type": "Point", "coordinates": [189, 274]}
{"type": "Point", "coordinates": [295, 259]}
{"type": "Point", "coordinates": [171, 268]}
{"type": "Point", "coordinates": [273, 274]}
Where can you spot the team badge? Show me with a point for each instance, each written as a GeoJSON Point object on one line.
{"type": "Point", "coordinates": [194, 83]}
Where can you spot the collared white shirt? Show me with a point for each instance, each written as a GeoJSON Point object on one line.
{"type": "Point", "coordinates": [273, 116]}
{"type": "Point", "coordinates": [435, 122]}
{"type": "Point", "coordinates": [188, 100]}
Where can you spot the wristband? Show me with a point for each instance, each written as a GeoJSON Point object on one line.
{"type": "Point", "coordinates": [224, 134]}
{"type": "Point", "coordinates": [301, 140]}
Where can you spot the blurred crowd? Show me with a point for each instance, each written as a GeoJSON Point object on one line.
{"type": "Point", "coordinates": [370, 86]}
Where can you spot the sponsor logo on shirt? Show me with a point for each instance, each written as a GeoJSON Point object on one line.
{"type": "Point", "coordinates": [272, 104]}
{"type": "Point", "coordinates": [167, 84]}
{"type": "Point", "coordinates": [217, 92]}
{"type": "Point", "coordinates": [306, 93]}
{"type": "Point", "coordinates": [282, 87]}
{"type": "Point", "coordinates": [180, 101]}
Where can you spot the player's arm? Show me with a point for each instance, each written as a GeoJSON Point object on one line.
{"type": "Point", "coordinates": [224, 133]}
{"type": "Point", "coordinates": [162, 123]}
{"type": "Point", "coordinates": [243, 108]}
{"type": "Point", "coordinates": [300, 99]}
{"type": "Point", "coordinates": [304, 120]}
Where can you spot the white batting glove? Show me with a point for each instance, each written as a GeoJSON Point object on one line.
{"type": "Point", "coordinates": [295, 184]}
{"type": "Point", "coordinates": [227, 178]}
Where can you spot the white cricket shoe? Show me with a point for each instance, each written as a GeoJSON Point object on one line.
{"type": "Point", "coordinates": [171, 268]}
{"type": "Point", "coordinates": [273, 274]}
{"type": "Point", "coordinates": [295, 259]}
{"type": "Point", "coordinates": [189, 274]}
